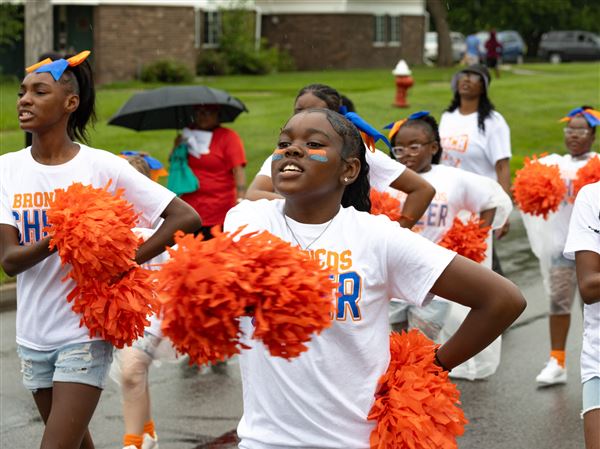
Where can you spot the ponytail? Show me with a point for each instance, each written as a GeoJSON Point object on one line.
{"type": "Point", "coordinates": [81, 81]}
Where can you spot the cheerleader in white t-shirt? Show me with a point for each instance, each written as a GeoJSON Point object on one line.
{"type": "Point", "coordinates": [583, 245]}
{"type": "Point", "coordinates": [416, 144]}
{"type": "Point", "coordinates": [547, 239]}
{"type": "Point", "coordinates": [475, 137]}
{"type": "Point", "coordinates": [383, 172]}
{"type": "Point", "coordinates": [63, 367]}
{"type": "Point", "coordinates": [321, 399]}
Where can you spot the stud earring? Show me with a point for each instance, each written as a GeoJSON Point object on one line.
{"type": "Point", "coordinates": [345, 179]}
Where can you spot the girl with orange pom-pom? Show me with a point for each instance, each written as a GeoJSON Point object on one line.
{"type": "Point", "coordinates": [547, 238]}
{"type": "Point", "coordinates": [322, 397]}
{"type": "Point", "coordinates": [416, 144]}
{"type": "Point", "coordinates": [62, 365]}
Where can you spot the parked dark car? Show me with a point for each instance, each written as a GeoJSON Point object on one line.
{"type": "Point", "coordinates": [513, 45]}
{"type": "Point", "coordinates": [557, 46]}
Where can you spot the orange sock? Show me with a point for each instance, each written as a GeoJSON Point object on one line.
{"type": "Point", "coordinates": [149, 428]}
{"type": "Point", "coordinates": [560, 356]}
{"type": "Point", "coordinates": [130, 439]}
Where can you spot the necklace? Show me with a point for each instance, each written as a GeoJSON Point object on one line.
{"type": "Point", "coordinates": [314, 240]}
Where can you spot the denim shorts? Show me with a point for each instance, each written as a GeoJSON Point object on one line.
{"type": "Point", "coordinates": [591, 395]}
{"type": "Point", "coordinates": [84, 363]}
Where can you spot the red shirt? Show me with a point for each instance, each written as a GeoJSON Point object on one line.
{"type": "Point", "coordinates": [217, 192]}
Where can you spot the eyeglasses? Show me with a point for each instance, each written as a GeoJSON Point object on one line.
{"type": "Point", "coordinates": [579, 132]}
{"type": "Point", "coordinates": [411, 150]}
{"type": "Point", "coordinates": [472, 76]}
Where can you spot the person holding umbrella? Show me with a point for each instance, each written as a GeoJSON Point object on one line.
{"type": "Point", "coordinates": [207, 162]}
{"type": "Point", "coordinates": [216, 157]}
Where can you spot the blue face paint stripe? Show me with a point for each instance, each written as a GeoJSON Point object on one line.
{"type": "Point", "coordinates": [318, 157]}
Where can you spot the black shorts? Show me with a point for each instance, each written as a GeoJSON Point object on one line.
{"type": "Point", "coordinates": [491, 62]}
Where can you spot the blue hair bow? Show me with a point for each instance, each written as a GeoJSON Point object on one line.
{"type": "Point", "coordinates": [395, 126]}
{"type": "Point", "coordinates": [58, 67]}
{"type": "Point", "coordinates": [152, 162]}
{"type": "Point", "coordinates": [370, 134]}
{"type": "Point", "coordinates": [590, 115]}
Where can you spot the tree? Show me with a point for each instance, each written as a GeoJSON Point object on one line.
{"type": "Point", "coordinates": [439, 13]}
{"type": "Point", "coordinates": [11, 24]}
{"type": "Point", "coordinates": [38, 30]}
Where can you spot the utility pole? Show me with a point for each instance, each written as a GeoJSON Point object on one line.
{"type": "Point", "coordinates": [39, 33]}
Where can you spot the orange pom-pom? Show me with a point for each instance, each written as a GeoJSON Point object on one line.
{"type": "Point", "coordinates": [201, 301]}
{"type": "Point", "coordinates": [588, 174]}
{"type": "Point", "coordinates": [92, 230]}
{"type": "Point", "coordinates": [291, 293]}
{"type": "Point", "coordinates": [207, 285]}
{"type": "Point", "coordinates": [538, 188]}
{"type": "Point", "coordinates": [415, 405]}
{"type": "Point", "coordinates": [116, 312]}
{"type": "Point", "coordinates": [468, 240]}
{"type": "Point", "coordinates": [382, 203]}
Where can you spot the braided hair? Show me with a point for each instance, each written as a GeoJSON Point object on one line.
{"type": "Point", "coordinates": [357, 193]}
{"type": "Point", "coordinates": [328, 94]}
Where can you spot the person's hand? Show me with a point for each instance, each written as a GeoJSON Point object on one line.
{"type": "Point", "coordinates": [500, 233]}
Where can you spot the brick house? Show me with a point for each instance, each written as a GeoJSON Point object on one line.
{"type": "Point", "coordinates": [126, 34]}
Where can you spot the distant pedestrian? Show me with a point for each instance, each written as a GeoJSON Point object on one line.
{"type": "Point", "coordinates": [216, 157]}
{"type": "Point", "coordinates": [583, 244]}
{"type": "Point", "coordinates": [493, 52]}
{"type": "Point", "coordinates": [472, 53]}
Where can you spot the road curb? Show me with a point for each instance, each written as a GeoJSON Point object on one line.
{"type": "Point", "coordinates": [8, 296]}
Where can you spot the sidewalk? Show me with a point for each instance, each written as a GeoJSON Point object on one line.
{"type": "Point", "coordinates": [8, 296]}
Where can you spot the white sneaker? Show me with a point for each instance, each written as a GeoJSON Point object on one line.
{"type": "Point", "coordinates": [552, 374]}
{"type": "Point", "coordinates": [150, 442]}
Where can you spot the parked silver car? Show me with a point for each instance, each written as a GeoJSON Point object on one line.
{"type": "Point", "coordinates": [558, 46]}
{"type": "Point", "coordinates": [459, 47]}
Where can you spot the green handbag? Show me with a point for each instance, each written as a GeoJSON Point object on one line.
{"type": "Point", "coordinates": [181, 177]}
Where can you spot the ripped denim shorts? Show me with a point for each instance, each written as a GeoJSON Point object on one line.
{"type": "Point", "coordinates": [85, 363]}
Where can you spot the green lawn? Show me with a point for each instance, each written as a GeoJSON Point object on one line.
{"type": "Point", "coordinates": [532, 98]}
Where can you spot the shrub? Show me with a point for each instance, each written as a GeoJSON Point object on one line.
{"type": "Point", "coordinates": [166, 71]}
{"type": "Point", "coordinates": [212, 62]}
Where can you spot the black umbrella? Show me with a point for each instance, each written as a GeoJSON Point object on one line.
{"type": "Point", "coordinates": [172, 107]}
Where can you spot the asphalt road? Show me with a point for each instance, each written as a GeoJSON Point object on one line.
{"type": "Point", "coordinates": [195, 411]}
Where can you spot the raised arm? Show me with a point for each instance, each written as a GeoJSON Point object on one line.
{"type": "Point", "coordinates": [419, 195]}
{"type": "Point", "coordinates": [495, 303]}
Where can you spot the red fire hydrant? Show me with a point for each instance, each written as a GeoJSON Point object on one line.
{"type": "Point", "coordinates": [404, 81]}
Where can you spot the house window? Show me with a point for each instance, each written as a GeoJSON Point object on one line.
{"type": "Point", "coordinates": [208, 29]}
{"type": "Point", "coordinates": [380, 30]}
{"type": "Point", "coordinates": [394, 30]}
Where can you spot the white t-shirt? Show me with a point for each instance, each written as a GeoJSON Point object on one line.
{"type": "Point", "coordinates": [466, 146]}
{"type": "Point", "coordinates": [455, 191]}
{"type": "Point", "coordinates": [383, 170]}
{"type": "Point", "coordinates": [322, 398]}
{"type": "Point", "coordinates": [584, 235]}
{"type": "Point", "coordinates": [45, 320]}
{"type": "Point", "coordinates": [547, 236]}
